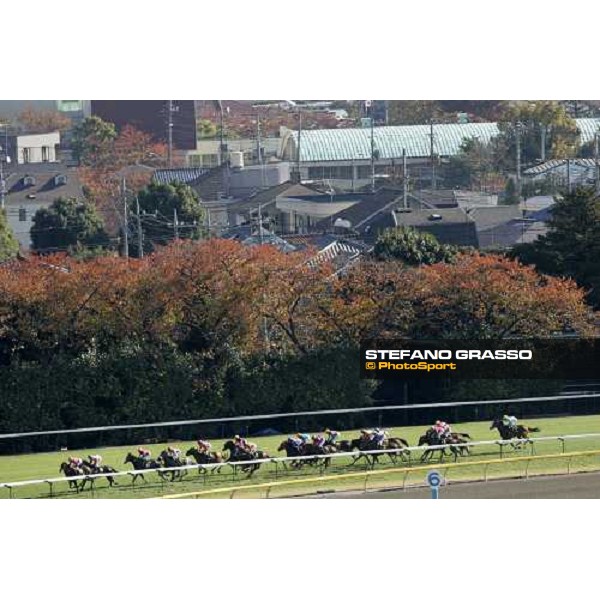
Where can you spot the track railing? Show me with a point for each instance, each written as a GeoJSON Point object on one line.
{"type": "Point", "coordinates": [284, 460]}
{"type": "Point", "coordinates": [268, 486]}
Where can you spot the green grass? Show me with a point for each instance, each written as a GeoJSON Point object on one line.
{"type": "Point", "coordinates": [45, 465]}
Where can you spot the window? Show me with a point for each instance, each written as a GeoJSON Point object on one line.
{"type": "Point", "coordinates": [45, 153]}
{"type": "Point", "coordinates": [25, 155]}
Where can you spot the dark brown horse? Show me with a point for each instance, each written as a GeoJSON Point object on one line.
{"type": "Point", "coordinates": [206, 458]}
{"type": "Point", "coordinates": [70, 471]}
{"type": "Point", "coordinates": [430, 438]}
{"type": "Point", "coordinates": [236, 454]}
{"type": "Point", "coordinates": [102, 469]}
{"type": "Point", "coordinates": [141, 464]}
{"type": "Point", "coordinates": [520, 433]}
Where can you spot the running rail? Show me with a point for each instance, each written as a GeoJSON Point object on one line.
{"type": "Point", "coordinates": [367, 474]}
{"type": "Point", "coordinates": [283, 459]}
{"type": "Point", "coordinates": [336, 411]}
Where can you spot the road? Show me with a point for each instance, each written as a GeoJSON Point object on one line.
{"type": "Point", "coordinates": [583, 485]}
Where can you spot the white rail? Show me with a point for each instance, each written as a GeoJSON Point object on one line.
{"type": "Point", "coordinates": [336, 411]}
{"type": "Point", "coordinates": [283, 459]}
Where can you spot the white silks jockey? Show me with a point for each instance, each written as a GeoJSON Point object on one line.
{"type": "Point", "coordinates": [95, 460]}
{"type": "Point", "coordinates": [509, 421]}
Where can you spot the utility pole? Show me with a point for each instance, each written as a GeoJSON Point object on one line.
{"type": "Point", "coordinates": [372, 150]}
{"type": "Point", "coordinates": [170, 132]}
{"type": "Point", "coordinates": [139, 229]}
{"type": "Point", "coordinates": [299, 137]}
{"type": "Point", "coordinates": [569, 175]}
{"type": "Point", "coordinates": [404, 180]}
{"type": "Point", "coordinates": [259, 154]}
{"type": "Point", "coordinates": [518, 140]}
{"type": "Point", "coordinates": [543, 142]}
{"type": "Point", "coordinates": [596, 137]}
{"type": "Point", "coordinates": [2, 184]}
{"type": "Point", "coordinates": [125, 222]}
{"type": "Point", "coordinates": [260, 227]}
{"type": "Point", "coordinates": [175, 224]}
{"type": "Point", "coordinates": [432, 150]}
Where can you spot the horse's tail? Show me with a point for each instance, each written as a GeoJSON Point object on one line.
{"type": "Point", "coordinates": [404, 442]}
{"type": "Point", "coordinates": [534, 429]}
{"type": "Point", "coordinates": [465, 435]}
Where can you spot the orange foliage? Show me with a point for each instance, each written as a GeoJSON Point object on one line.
{"type": "Point", "coordinates": [220, 295]}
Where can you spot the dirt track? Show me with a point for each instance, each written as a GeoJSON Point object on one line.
{"type": "Point", "coordinates": [584, 485]}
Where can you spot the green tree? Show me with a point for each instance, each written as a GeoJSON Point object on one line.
{"type": "Point", "coordinates": [206, 129]}
{"type": "Point", "coordinates": [168, 211]}
{"type": "Point", "coordinates": [543, 123]}
{"type": "Point", "coordinates": [9, 246]}
{"type": "Point", "coordinates": [571, 248]}
{"type": "Point", "coordinates": [413, 112]}
{"type": "Point", "coordinates": [412, 247]}
{"type": "Point", "coordinates": [70, 225]}
{"type": "Point", "coordinates": [475, 163]}
{"type": "Point", "coordinates": [92, 142]}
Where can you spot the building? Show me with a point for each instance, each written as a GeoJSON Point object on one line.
{"type": "Point", "coordinates": [344, 156]}
{"type": "Point", "coordinates": [32, 186]}
{"type": "Point", "coordinates": [24, 149]}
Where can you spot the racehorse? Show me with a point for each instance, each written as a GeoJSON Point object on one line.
{"type": "Point", "coordinates": [206, 458]}
{"type": "Point", "coordinates": [236, 454]}
{"type": "Point", "coordinates": [171, 462]}
{"type": "Point", "coordinates": [70, 471]}
{"type": "Point", "coordinates": [141, 464]}
{"type": "Point", "coordinates": [520, 433]}
{"type": "Point", "coordinates": [430, 438]}
{"type": "Point", "coordinates": [102, 469]}
{"type": "Point", "coordinates": [291, 451]}
{"type": "Point", "coordinates": [394, 444]}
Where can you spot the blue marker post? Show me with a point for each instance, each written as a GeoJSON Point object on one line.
{"type": "Point", "coordinates": [434, 479]}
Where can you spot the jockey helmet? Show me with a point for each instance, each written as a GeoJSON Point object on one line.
{"type": "Point", "coordinates": [327, 430]}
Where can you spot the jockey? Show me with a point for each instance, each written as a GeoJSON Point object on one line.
{"type": "Point", "coordinates": [174, 453]}
{"type": "Point", "coordinates": [510, 421]}
{"type": "Point", "coordinates": [204, 446]}
{"type": "Point", "coordinates": [304, 438]}
{"type": "Point", "coordinates": [366, 435]}
{"type": "Point", "coordinates": [379, 436]}
{"type": "Point", "coordinates": [95, 460]}
{"type": "Point", "coordinates": [440, 429]}
{"type": "Point", "coordinates": [75, 462]}
{"type": "Point", "coordinates": [244, 445]}
{"type": "Point", "coordinates": [318, 440]}
{"type": "Point", "coordinates": [295, 441]}
{"type": "Point", "coordinates": [144, 453]}
{"type": "Point", "coordinates": [332, 437]}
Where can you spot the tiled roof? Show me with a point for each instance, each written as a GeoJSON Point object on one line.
{"type": "Point", "coordinates": [550, 165]}
{"type": "Point", "coordinates": [366, 208]}
{"type": "Point", "coordinates": [188, 175]}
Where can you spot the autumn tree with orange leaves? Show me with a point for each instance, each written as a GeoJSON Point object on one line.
{"type": "Point", "coordinates": [220, 328]}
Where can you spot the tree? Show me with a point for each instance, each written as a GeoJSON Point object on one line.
{"type": "Point", "coordinates": [92, 141]}
{"type": "Point", "coordinates": [543, 121]}
{"type": "Point", "coordinates": [68, 224]}
{"type": "Point", "coordinates": [206, 129]}
{"type": "Point", "coordinates": [169, 211]}
{"type": "Point", "coordinates": [491, 297]}
{"type": "Point", "coordinates": [412, 247]}
{"type": "Point", "coordinates": [9, 246]}
{"type": "Point", "coordinates": [476, 165]}
{"type": "Point", "coordinates": [571, 248]}
{"type": "Point", "coordinates": [413, 112]}
{"type": "Point", "coordinates": [43, 121]}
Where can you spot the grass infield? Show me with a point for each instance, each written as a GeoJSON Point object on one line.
{"type": "Point", "coordinates": [45, 465]}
